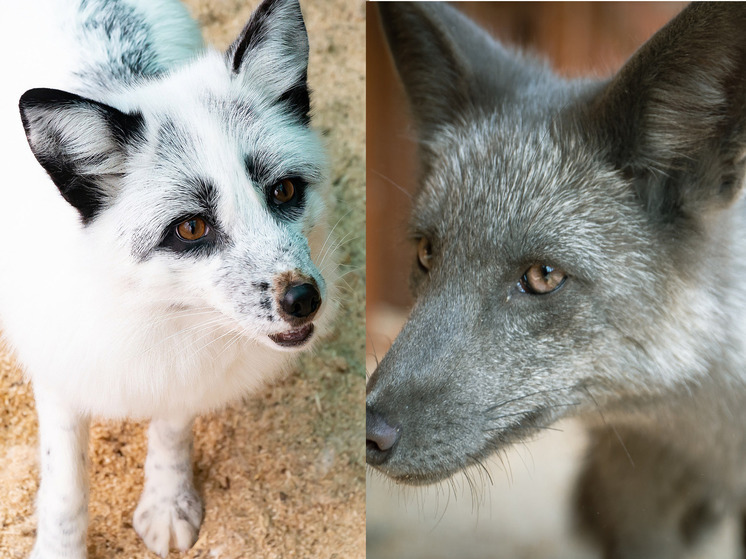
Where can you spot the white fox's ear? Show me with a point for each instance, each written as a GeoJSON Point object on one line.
{"type": "Point", "coordinates": [674, 117]}
{"type": "Point", "coordinates": [81, 144]}
{"type": "Point", "coordinates": [271, 53]}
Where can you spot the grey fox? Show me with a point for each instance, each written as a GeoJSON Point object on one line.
{"type": "Point", "coordinates": [580, 251]}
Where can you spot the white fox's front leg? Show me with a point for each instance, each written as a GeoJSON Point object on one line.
{"type": "Point", "coordinates": [62, 500]}
{"type": "Point", "coordinates": [170, 510]}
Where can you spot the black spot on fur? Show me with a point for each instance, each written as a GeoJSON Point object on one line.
{"type": "Point", "coordinates": [206, 196]}
{"type": "Point", "coordinates": [261, 285]}
{"type": "Point", "coordinates": [298, 101]}
{"type": "Point", "coordinates": [125, 128]}
{"type": "Point", "coordinates": [258, 172]}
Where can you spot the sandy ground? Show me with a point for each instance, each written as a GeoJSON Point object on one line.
{"type": "Point", "coordinates": [282, 473]}
{"type": "Point", "coordinates": [518, 508]}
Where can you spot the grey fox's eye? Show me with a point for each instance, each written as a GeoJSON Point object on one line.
{"type": "Point", "coordinates": [541, 279]}
{"type": "Point", "coordinates": [283, 192]}
{"type": "Point", "coordinates": [424, 253]}
{"type": "Point", "coordinates": [192, 229]}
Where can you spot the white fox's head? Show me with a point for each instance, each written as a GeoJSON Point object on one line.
{"type": "Point", "coordinates": [202, 187]}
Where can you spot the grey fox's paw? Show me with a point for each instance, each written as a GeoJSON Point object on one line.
{"type": "Point", "coordinates": [161, 520]}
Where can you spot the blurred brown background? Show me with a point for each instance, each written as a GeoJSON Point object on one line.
{"type": "Point", "coordinates": [578, 38]}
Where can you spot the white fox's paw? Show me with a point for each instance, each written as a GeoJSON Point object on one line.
{"type": "Point", "coordinates": [40, 552]}
{"type": "Point", "coordinates": [161, 520]}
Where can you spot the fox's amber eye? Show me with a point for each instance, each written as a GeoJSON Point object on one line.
{"type": "Point", "coordinates": [192, 229]}
{"type": "Point", "coordinates": [283, 192]}
{"type": "Point", "coordinates": [424, 253]}
{"type": "Point", "coordinates": [541, 279]}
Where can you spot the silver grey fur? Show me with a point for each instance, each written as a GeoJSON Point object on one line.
{"type": "Point", "coordinates": [633, 187]}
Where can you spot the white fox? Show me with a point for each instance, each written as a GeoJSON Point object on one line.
{"type": "Point", "coordinates": [169, 235]}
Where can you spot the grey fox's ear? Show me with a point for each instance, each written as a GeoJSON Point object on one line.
{"type": "Point", "coordinates": [674, 117]}
{"type": "Point", "coordinates": [271, 54]}
{"type": "Point", "coordinates": [81, 144]}
{"type": "Point", "coordinates": [448, 64]}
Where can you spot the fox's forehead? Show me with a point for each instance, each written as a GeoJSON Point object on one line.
{"type": "Point", "coordinates": [213, 113]}
{"type": "Point", "coordinates": [211, 130]}
{"type": "Point", "coordinates": [234, 141]}
{"type": "Point", "coordinates": [523, 190]}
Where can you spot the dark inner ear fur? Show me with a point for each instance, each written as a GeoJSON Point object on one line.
{"type": "Point", "coordinates": [298, 100]}
{"type": "Point", "coordinates": [673, 118]}
{"type": "Point", "coordinates": [80, 143]}
{"type": "Point", "coordinates": [260, 32]}
{"type": "Point", "coordinates": [253, 33]}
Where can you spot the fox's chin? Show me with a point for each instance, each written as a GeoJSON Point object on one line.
{"type": "Point", "coordinates": [419, 478]}
{"type": "Point", "coordinates": [290, 340]}
{"type": "Point", "coordinates": [295, 338]}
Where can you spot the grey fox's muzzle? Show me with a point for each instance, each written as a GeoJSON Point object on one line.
{"type": "Point", "coordinates": [411, 420]}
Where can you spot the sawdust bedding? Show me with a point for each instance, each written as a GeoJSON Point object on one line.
{"type": "Point", "coordinates": [282, 473]}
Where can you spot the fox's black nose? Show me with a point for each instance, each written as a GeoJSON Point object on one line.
{"type": "Point", "coordinates": [301, 301]}
{"type": "Point", "coordinates": [380, 438]}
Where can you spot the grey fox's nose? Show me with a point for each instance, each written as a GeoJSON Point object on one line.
{"type": "Point", "coordinates": [301, 301]}
{"type": "Point", "coordinates": [380, 437]}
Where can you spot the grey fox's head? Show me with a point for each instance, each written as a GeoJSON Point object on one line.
{"type": "Point", "coordinates": [572, 236]}
{"type": "Point", "coordinates": [202, 187]}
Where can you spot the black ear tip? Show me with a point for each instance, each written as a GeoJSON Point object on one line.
{"type": "Point", "coordinates": [40, 97]}
{"type": "Point", "coordinates": [45, 95]}
{"type": "Point", "coordinates": [31, 98]}
{"type": "Point", "coordinates": [32, 95]}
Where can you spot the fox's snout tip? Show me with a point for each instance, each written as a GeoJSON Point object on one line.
{"type": "Point", "coordinates": [380, 437]}
{"type": "Point", "coordinates": [301, 300]}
